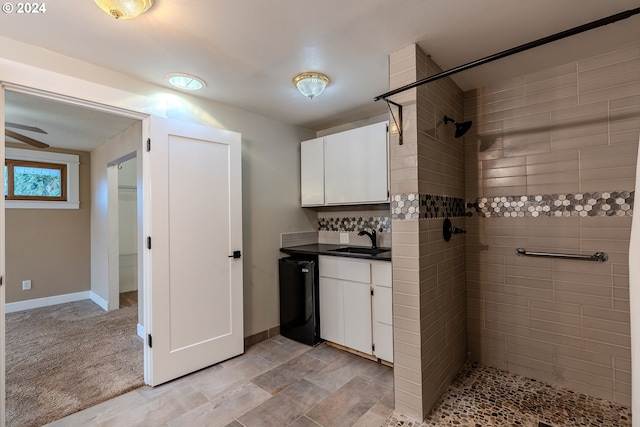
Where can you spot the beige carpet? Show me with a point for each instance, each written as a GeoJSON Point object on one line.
{"type": "Point", "coordinates": [68, 357]}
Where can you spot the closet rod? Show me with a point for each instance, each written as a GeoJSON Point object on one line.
{"type": "Point", "coordinates": [557, 36]}
{"type": "Point", "coordinates": [598, 256]}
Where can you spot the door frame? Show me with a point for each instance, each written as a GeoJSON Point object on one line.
{"type": "Point", "coordinates": [103, 100]}
{"type": "Point", "coordinates": [2, 274]}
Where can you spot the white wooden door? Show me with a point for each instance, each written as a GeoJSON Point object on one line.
{"type": "Point", "coordinates": [194, 220]}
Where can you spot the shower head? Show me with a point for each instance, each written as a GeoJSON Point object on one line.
{"type": "Point", "coordinates": [461, 128]}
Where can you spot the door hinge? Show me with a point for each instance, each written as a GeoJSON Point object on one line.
{"type": "Point", "coordinates": [149, 242]}
{"type": "Point", "coordinates": [148, 144]}
{"type": "Point", "coordinates": [373, 347]}
{"type": "Point", "coordinates": [372, 291]}
{"type": "Point", "coordinates": [1, 280]}
{"type": "Point", "coordinates": [149, 341]}
{"type": "Point", "coordinates": [387, 128]}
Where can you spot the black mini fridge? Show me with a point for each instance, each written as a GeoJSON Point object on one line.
{"type": "Point", "coordinates": [299, 301]}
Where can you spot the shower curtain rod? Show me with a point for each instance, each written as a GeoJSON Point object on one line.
{"type": "Point", "coordinates": [557, 36]}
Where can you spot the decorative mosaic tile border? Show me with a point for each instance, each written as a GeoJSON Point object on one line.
{"type": "Point", "coordinates": [429, 206]}
{"type": "Point", "coordinates": [616, 203]}
{"type": "Point", "coordinates": [380, 224]}
{"type": "Point", "coordinates": [426, 206]}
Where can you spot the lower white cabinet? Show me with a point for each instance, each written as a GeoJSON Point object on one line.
{"type": "Point", "coordinates": [382, 310]}
{"type": "Point", "coordinates": [357, 316]}
{"type": "Point", "coordinates": [331, 310]}
{"type": "Point", "coordinates": [355, 305]}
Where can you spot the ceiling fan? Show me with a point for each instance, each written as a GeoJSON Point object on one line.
{"type": "Point", "coordinates": [23, 138]}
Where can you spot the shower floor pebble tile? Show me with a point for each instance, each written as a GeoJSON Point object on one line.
{"type": "Point", "coordinates": [484, 397]}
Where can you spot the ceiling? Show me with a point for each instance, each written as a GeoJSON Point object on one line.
{"type": "Point", "coordinates": [248, 50]}
{"type": "Point", "coordinates": [66, 125]}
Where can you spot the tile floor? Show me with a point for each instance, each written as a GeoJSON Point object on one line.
{"type": "Point", "coordinates": [482, 397]}
{"type": "Point", "coordinates": [277, 382]}
{"type": "Point", "coordinates": [280, 382]}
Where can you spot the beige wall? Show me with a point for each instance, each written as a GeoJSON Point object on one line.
{"type": "Point", "coordinates": [428, 273]}
{"type": "Point", "coordinates": [49, 246]}
{"type": "Point", "coordinates": [571, 130]}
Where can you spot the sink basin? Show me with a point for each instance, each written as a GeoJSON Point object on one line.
{"type": "Point", "coordinates": [364, 251]}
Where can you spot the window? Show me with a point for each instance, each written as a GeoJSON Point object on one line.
{"type": "Point", "coordinates": [34, 181]}
{"type": "Point", "coordinates": [41, 179]}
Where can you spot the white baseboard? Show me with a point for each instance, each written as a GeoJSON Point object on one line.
{"type": "Point", "coordinates": [141, 331]}
{"type": "Point", "coordinates": [101, 302]}
{"type": "Point", "coordinates": [12, 307]}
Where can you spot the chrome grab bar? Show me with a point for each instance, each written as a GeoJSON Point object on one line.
{"type": "Point", "coordinates": [597, 257]}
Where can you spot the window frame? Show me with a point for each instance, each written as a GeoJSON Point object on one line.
{"type": "Point", "coordinates": [11, 164]}
{"type": "Point", "coordinates": [71, 186]}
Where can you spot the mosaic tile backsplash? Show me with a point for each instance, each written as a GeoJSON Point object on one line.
{"type": "Point", "coordinates": [380, 223]}
{"type": "Point", "coordinates": [428, 206]}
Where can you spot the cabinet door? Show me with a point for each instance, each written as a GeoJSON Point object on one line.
{"type": "Point", "coordinates": [356, 167]}
{"type": "Point", "coordinates": [331, 310]}
{"type": "Point", "coordinates": [383, 334]}
{"type": "Point", "coordinates": [382, 310]}
{"type": "Point", "coordinates": [312, 172]}
{"type": "Point", "coordinates": [382, 323]}
{"type": "Point", "coordinates": [357, 316]}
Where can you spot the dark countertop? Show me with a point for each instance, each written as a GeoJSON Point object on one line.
{"type": "Point", "coordinates": [326, 249]}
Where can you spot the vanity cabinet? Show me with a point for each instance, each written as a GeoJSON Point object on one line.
{"type": "Point", "coordinates": [353, 311]}
{"type": "Point", "coordinates": [349, 167]}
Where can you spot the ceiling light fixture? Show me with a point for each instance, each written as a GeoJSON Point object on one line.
{"type": "Point", "coordinates": [311, 83]}
{"type": "Point", "coordinates": [185, 81]}
{"type": "Point", "coordinates": [124, 9]}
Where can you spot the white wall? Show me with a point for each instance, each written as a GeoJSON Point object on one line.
{"type": "Point", "coordinates": [127, 225]}
{"type": "Point", "coordinates": [127, 142]}
{"type": "Point", "coordinates": [271, 166]}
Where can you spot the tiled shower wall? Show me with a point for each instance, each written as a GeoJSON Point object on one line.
{"type": "Point", "coordinates": [558, 134]}
{"type": "Point", "coordinates": [427, 177]}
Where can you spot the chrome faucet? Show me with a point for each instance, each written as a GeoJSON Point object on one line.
{"type": "Point", "coordinates": [372, 236]}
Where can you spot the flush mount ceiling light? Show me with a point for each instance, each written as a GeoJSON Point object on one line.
{"type": "Point", "coordinates": [185, 81]}
{"type": "Point", "coordinates": [124, 9]}
{"type": "Point", "coordinates": [311, 83]}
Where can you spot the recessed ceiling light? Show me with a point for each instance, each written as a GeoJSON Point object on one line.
{"type": "Point", "coordinates": [185, 81]}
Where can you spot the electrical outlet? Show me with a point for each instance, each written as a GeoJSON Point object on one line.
{"type": "Point", "coordinates": [344, 238]}
{"type": "Point", "coordinates": [26, 285]}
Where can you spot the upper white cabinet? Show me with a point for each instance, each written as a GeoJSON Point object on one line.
{"type": "Point", "coordinates": [312, 172]}
{"type": "Point", "coordinates": [352, 167]}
